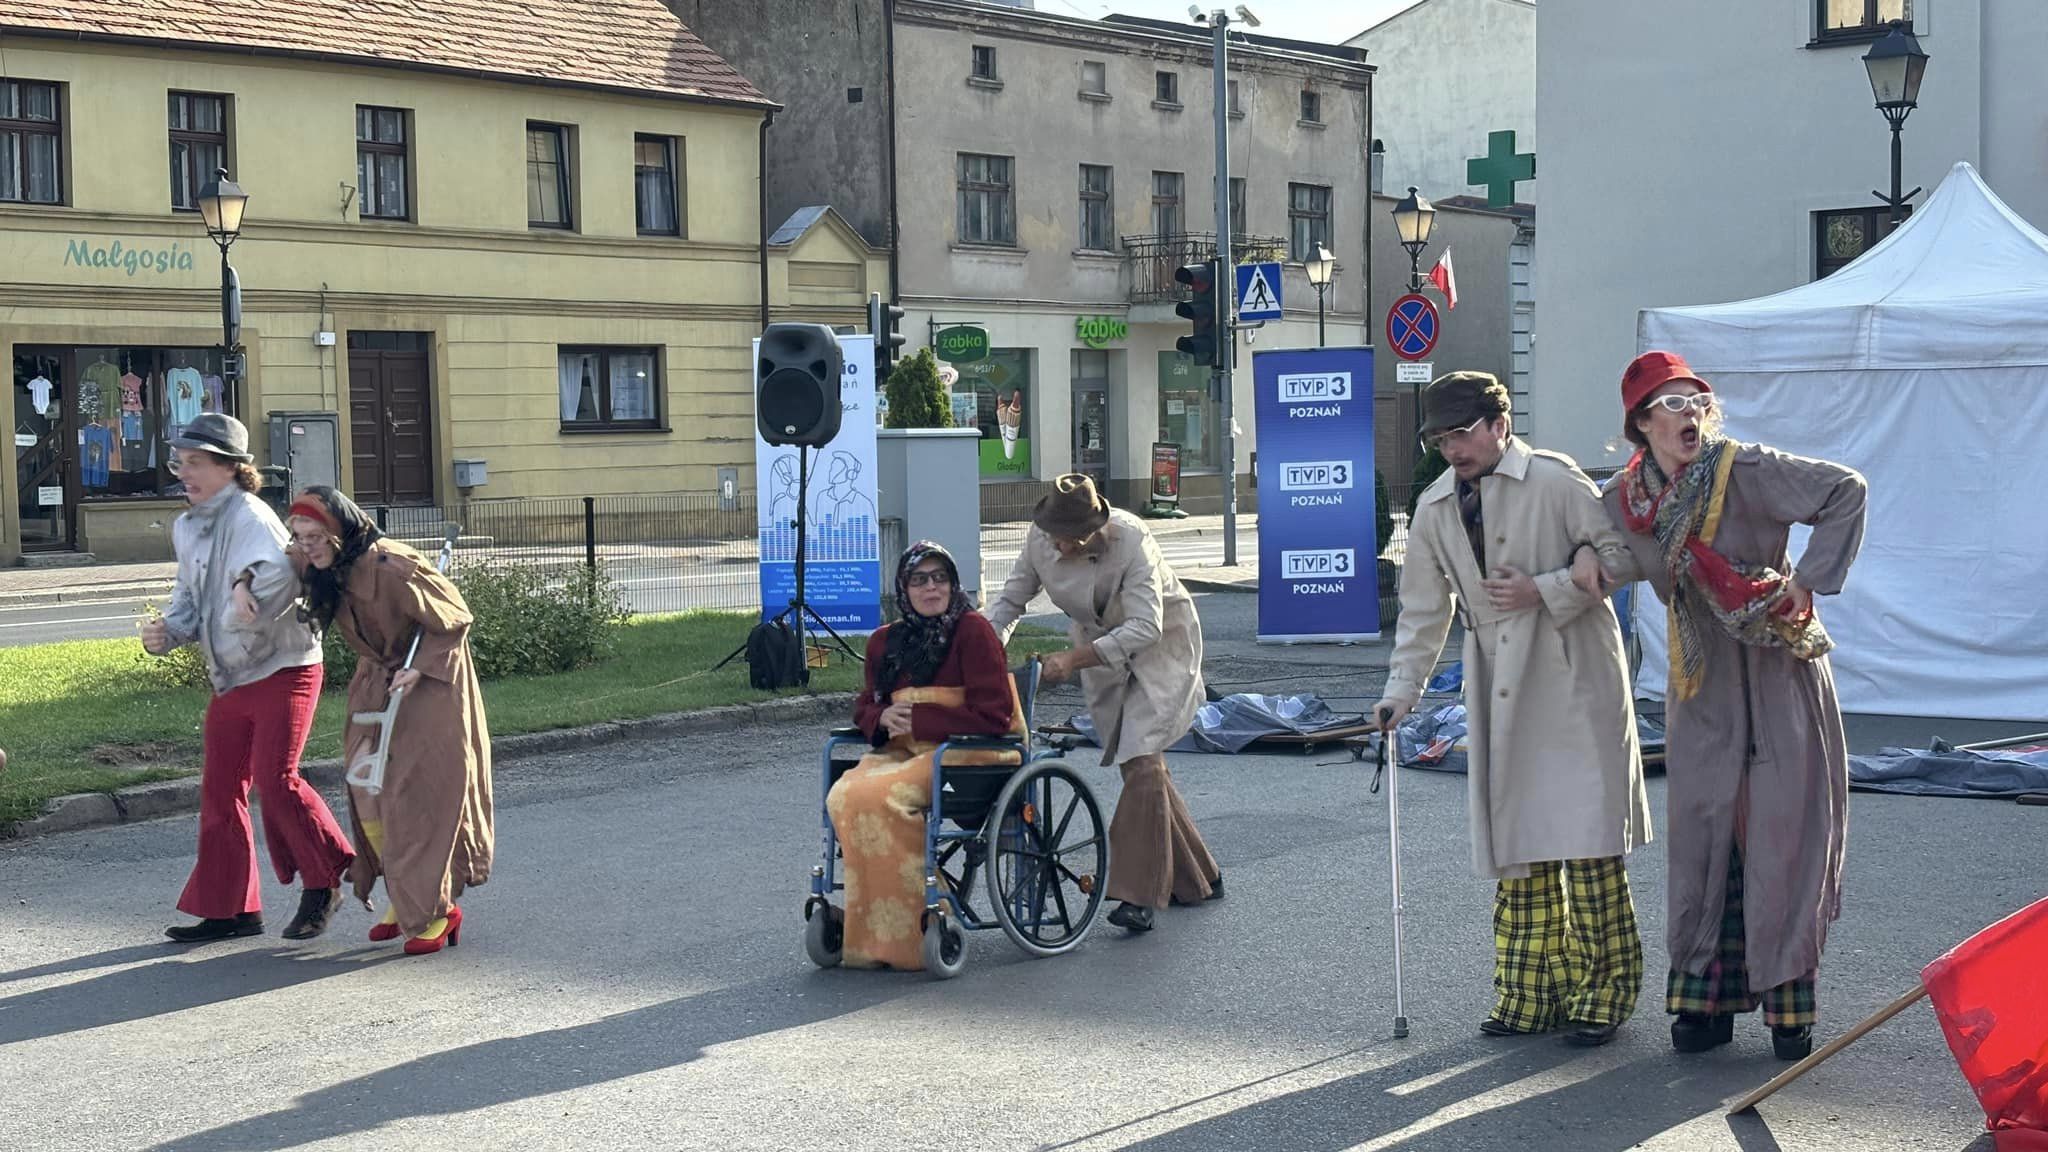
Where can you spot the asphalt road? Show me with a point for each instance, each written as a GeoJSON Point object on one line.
{"type": "Point", "coordinates": [633, 977]}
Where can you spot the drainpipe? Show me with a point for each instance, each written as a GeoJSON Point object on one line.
{"type": "Point", "coordinates": [889, 126]}
{"type": "Point", "coordinates": [766, 120]}
{"type": "Point", "coordinates": [1371, 210]}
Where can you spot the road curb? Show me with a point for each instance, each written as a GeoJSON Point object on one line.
{"type": "Point", "coordinates": [1198, 584]}
{"type": "Point", "coordinates": [50, 597]}
{"type": "Point", "coordinates": [175, 797]}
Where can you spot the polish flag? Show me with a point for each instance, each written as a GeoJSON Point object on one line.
{"type": "Point", "coordinates": [1446, 281]}
{"type": "Point", "coordinates": [1990, 995]}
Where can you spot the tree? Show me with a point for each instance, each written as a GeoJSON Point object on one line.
{"type": "Point", "coordinates": [1383, 513]}
{"type": "Point", "coordinates": [917, 397]}
{"type": "Point", "coordinates": [1427, 468]}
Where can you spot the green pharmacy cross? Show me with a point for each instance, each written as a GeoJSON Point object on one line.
{"type": "Point", "coordinates": [1500, 169]}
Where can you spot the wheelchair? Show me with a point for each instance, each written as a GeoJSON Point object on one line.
{"type": "Point", "coordinates": [1032, 831]}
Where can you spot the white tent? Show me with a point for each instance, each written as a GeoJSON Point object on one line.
{"type": "Point", "coordinates": [1924, 365]}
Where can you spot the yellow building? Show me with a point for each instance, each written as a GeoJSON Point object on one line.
{"type": "Point", "coordinates": [524, 232]}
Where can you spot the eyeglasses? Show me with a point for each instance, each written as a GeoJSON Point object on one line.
{"type": "Point", "coordinates": [928, 580]}
{"type": "Point", "coordinates": [1677, 405]}
{"type": "Point", "coordinates": [308, 540]}
{"type": "Point", "coordinates": [1434, 441]}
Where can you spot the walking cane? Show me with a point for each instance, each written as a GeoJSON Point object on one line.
{"type": "Point", "coordinates": [367, 772]}
{"type": "Point", "coordinates": [1394, 851]}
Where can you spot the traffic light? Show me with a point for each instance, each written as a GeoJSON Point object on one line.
{"type": "Point", "coordinates": [1205, 343]}
{"type": "Point", "coordinates": [883, 319]}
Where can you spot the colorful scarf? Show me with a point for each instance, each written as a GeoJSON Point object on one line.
{"type": "Point", "coordinates": [1750, 602]}
{"type": "Point", "coordinates": [915, 645]}
{"type": "Point", "coordinates": [353, 532]}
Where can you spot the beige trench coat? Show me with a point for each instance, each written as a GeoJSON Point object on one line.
{"type": "Point", "coordinates": [1122, 598]}
{"type": "Point", "coordinates": [1554, 772]}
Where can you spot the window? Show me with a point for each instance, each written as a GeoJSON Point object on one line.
{"type": "Point", "coordinates": [547, 176]}
{"type": "Point", "coordinates": [1094, 78]}
{"type": "Point", "coordinates": [1311, 106]}
{"type": "Point", "coordinates": [1098, 216]}
{"type": "Point", "coordinates": [1860, 19]}
{"type": "Point", "coordinates": [1230, 92]}
{"type": "Point", "coordinates": [1167, 219]}
{"type": "Point", "coordinates": [1842, 236]}
{"type": "Point", "coordinates": [199, 145]}
{"type": "Point", "coordinates": [987, 201]}
{"type": "Point", "coordinates": [381, 162]}
{"type": "Point", "coordinates": [1308, 218]}
{"type": "Point", "coordinates": [1166, 88]}
{"type": "Point", "coordinates": [610, 388]}
{"type": "Point", "coordinates": [656, 209]}
{"type": "Point", "coordinates": [1239, 225]}
{"type": "Point", "coordinates": [31, 170]}
{"type": "Point", "coordinates": [1188, 415]}
{"type": "Point", "coordinates": [984, 67]}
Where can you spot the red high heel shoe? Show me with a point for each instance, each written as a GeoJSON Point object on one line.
{"type": "Point", "coordinates": [449, 938]}
{"type": "Point", "coordinates": [382, 932]}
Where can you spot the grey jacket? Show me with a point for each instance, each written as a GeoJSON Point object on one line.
{"type": "Point", "coordinates": [216, 542]}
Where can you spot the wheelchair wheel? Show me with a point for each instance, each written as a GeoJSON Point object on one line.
{"type": "Point", "coordinates": [824, 935]}
{"type": "Point", "coordinates": [1048, 858]}
{"type": "Point", "coordinates": [945, 948]}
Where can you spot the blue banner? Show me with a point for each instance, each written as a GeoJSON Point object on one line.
{"type": "Point", "coordinates": [842, 552]}
{"type": "Point", "coordinates": [1318, 559]}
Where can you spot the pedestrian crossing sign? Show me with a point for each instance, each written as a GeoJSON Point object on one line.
{"type": "Point", "coordinates": [1258, 292]}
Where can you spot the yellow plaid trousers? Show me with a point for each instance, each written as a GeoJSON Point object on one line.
{"type": "Point", "coordinates": [1566, 948]}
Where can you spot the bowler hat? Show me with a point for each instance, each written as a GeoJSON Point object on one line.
{"type": "Point", "coordinates": [219, 434]}
{"type": "Point", "coordinates": [1651, 371]}
{"type": "Point", "coordinates": [1073, 510]}
{"type": "Point", "coordinates": [1460, 399]}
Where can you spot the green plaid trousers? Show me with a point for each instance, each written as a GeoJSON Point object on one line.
{"type": "Point", "coordinates": [1565, 946]}
{"type": "Point", "coordinates": [1723, 989]}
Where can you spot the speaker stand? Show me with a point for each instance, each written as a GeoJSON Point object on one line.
{"type": "Point", "coordinates": [799, 608]}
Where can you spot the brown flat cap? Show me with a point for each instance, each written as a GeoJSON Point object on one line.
{"type": "Point", "coordinates": [1458, 399]}
{"type": "Point", "coordinates": [1073, 510]}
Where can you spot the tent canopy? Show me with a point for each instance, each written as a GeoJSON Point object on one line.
{"type": "Point", "coordinates": [1923, 365]}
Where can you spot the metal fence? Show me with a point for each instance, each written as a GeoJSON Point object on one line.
{"type": "Point", "coordinates": [1154, 259]}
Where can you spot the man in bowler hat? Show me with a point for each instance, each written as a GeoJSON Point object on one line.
{"type": "Point", "coordinates": [1137, 647]}
{"type": "Point", "coordinates": [1555, 777]}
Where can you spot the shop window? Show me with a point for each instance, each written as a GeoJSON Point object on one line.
{"type": "Point", "coordinates": [1188, 415]}
{"type": "Point", "coordinates": [199, 145]}
{"type": "Point", "coordinates": [108, 413]}
{"type": "Point", "coordinates": [31, 143]}
{"type": "Point", "coordinates": [1004, 399]}
{"type": "Point", "coordinates": [610, 388]}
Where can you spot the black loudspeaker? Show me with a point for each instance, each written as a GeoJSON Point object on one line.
{"type": "Point", "coordinates": [796, 385]}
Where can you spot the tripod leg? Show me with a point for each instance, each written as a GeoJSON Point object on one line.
{"type": "Point", "coordinates": [828, 630]}
{"type": "Point", "coordinates": [741, 650]}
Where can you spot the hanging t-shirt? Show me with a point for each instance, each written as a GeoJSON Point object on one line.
{"type": "Point", "coordinates": [131, 427]}
{"type": "Point", "coordinates": [185, 388]}
{"type": "Point", "coordinates": [100, 396]}
{"type": "Point", "coordinates": [39, 394]}
{"type": "Point", "coordinates": [131, 392]}
{"type": "Point", "coordinates": [213, 390]}
{"type": "Point", "coordinates": [96, 457]}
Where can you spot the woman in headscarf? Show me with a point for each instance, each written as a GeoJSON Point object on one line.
{"type": "Point", "coordinates": [937, 672]}
{"type": "Point", "coordinates": [428, 831]}
{"type": "Point", "coordinates": [1758, 767]}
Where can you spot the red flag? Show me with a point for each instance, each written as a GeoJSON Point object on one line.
{"type": "Point", "coordinates": [1990, 994]}
{"type": "Point", "coordinates": [1446, 281]}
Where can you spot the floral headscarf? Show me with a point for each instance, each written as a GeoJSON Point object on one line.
{"type": "Point", "coordinates": [915, 645]}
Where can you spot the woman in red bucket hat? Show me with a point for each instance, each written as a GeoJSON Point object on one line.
{"type": "Point", "coordinates": [1758, 773]}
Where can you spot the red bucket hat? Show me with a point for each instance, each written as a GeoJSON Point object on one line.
{"type": "Point", "coordinates": [1651, 371]}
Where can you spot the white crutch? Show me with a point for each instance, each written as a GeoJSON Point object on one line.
{"type": "Point", "coordinates": [1387, 759]}
{"type": "Point", "coordinates": [367, 772]}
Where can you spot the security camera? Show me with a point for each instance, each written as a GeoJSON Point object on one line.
{"type": "Point", "coordinates": [1196, 14]}
{"type": "Point", "coordinates": [1245, 14]}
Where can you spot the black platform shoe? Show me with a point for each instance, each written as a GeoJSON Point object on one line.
{"type": "Point", "coordinates": [1792, 1043]}
{"type": "Point", "coordinates": [1692, 1032]}
{"type": "Point", "coordinates": [1134, 917]}
{"type": "Point", "coordinates": [224, 928]}
{"type": "Point", "coordinates": [1590, 1035]}
{"type": "Point", "coordinates": [317, 906]}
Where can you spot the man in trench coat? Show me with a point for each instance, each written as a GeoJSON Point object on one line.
{"type": "Point", "coordinates": [1555, 782]}
{"type": "Point", "coordinates": [1137, 646]}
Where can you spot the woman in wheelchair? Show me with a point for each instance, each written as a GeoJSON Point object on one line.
{"type": "Point", "coordinates": [935, 673]}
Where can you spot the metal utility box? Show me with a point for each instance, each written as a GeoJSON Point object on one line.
{"type": "Point", "coordinates": [471, 474]}
{"type": "Point", "coordinates": [307, 445]}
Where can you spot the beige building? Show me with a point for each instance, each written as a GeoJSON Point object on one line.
{"type": "Point", "coordinates": [523, 232]}
{"type": "Point", "coordinates": [1052, 175]}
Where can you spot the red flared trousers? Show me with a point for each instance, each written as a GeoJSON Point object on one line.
{"type": "Point", "coordinates": [254, 734]}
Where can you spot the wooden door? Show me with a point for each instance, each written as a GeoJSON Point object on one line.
{"type": "Point", "coordinates": [391, 417]}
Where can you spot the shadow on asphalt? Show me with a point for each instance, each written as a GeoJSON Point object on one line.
{"type": "Point", "coordinates": [112, 958]}
{"type": "Point", "coordinates": [516, 1068]}
{"type": "Point", "coordinates": [174, 984]}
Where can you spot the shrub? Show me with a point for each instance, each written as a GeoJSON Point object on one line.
{"type": "Point", "coordinates": [917, 397]}
{"type": "Point", "coordinates": [1427, 468]}
{"type": "Point", "coordinates": [529, 622]}
{"type": "Point", "coordinates": [1383, 513]}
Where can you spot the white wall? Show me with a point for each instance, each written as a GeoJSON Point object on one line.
{"type": "Point", "coordinates": [1685, 169]}
{"type": "Point", "coordinates": [1450, 72]}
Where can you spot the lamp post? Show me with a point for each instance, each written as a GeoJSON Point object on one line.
{"type": "Point", "coordinates": [1896, 65]}
{"type": "Point", "coordinates": [221, 204]}
{"type": "Point", "coordinates": [1321, 267]}
{"type": "Point", "coordinates": [1414, 217]}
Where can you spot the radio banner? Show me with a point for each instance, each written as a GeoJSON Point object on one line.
{"type": "Point", "coordinates": [1318, 560]}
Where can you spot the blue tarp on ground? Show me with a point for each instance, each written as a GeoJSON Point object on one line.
{"type": "Point", "coordinates": [1434, 738]}
{"type": "Point", "coordinates": [1237, 721]}
{"type": "Point", "coordinates": [1919, 772]}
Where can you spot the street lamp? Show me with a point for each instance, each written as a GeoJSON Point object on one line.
{"type": "Point", "coordinates": [1321, 267]}
{"type": "Point", "coordinates": [1896, 65]}
{"type": "Point", "coordinates": [1413, 219]}
{"type": "Point", "coordinates": [221, 204]}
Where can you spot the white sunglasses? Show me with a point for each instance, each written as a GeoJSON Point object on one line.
{"type": "Point", "coordinates": [1678, 405]}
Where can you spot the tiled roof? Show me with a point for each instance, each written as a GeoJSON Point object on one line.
{"type": "Point", "coordinates": [634, 45]}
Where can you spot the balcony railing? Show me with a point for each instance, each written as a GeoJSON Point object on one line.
{"type": "Point", "coordinates": [1152, 260]}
